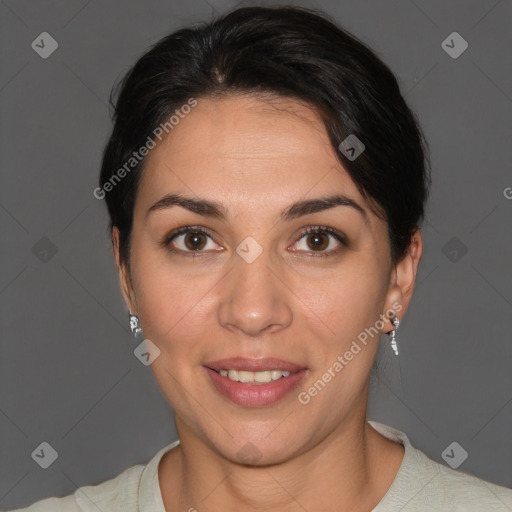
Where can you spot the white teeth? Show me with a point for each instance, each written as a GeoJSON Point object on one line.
{"type": "Point", "coordinates": [264, 376]}
{"type": "Point", "coordinates": [275, 374]}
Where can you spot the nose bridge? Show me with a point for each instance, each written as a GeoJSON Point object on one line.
{"type": "Point", "coordinates": [252, 270]}
{"type": "Point", "coordinates": [253, 298]}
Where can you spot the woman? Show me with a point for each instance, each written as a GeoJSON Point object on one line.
{"type": "Point", "coordinates": [266, 184]}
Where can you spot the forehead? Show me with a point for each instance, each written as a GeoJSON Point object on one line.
{"type": "Point", "coordinates": [247, 151]}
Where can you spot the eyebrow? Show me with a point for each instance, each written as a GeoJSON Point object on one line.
{"type": "Point", "coordinates": [217, 210]}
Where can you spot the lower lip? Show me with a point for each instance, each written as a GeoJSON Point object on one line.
{"type": "Point", "coordinates": [255, 395]}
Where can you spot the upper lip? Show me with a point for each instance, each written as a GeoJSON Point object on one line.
{"type": "Point", "coordinates": [253, 365]}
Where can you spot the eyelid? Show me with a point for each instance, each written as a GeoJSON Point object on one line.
{"type": "Point", "coordinates": [185, 229]}
{"type": "Point", "coordinates": [325, 229]}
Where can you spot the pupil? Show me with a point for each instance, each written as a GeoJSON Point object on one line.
{"type": "Point", "coordinates": [196, 239]}
{"type": "Point", "coordinates": [317, 237]}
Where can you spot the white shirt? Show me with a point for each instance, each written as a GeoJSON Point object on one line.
{"type": "Point", "coordinates": [420, 485]}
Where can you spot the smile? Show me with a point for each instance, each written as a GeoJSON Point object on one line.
{"type": "Point", "coordinates": [254, 383]}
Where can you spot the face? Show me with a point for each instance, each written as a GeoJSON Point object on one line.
{"type": "Point", "coordinates": [248, 282]}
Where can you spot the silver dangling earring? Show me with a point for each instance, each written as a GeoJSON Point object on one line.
{"type": "Point", "coordinates": [134, 325]}
{"type": "Point", "coordinates": [396, 323]}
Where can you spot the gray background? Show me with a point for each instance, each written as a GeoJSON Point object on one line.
{"type": "Point", "coordinates": [68, 375]}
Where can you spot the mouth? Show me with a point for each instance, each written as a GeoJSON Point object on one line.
{"type": "Point", "coordinates": [254, 382]}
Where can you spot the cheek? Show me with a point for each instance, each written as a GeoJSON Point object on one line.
{"type": "Point", "coordinates": [180, 300]}
{"type": "Point", "coordinates": [351, 304]}
{"type": "Point", "coordinates": [175, 307]}
{"type": "Point", "coordinates": [352, 298]}
{"type": "Point", "coordinates": [177, 301]}
{"type": "Point", "coordinates": [175, 310]}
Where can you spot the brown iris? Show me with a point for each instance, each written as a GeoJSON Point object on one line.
{"type": "Point", "coordinates": [195, 241]}
{"type": "Point", "coordinates": [317, 243]}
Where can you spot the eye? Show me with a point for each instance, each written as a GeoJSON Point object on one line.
{"type": "Point", "coordinates": [189, 239]}
{"type": "Point", "coordinates": [318, 238]}
{"type": "Point", "coordinates": [194, 240]}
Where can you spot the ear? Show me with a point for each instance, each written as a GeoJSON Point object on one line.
{"type": "Point", "coordinates": [401, 285]}
{"type": "Point", "coordinates": [123, 274]}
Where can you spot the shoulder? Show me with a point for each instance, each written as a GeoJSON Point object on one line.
{"type": "Point", "coordinates": [117, 494]}
{"type": "Point", "coordinates": [425, 485]}
{"type": "Point", "coordinates": [464, 492]}
{"type": "Point", "coordinates": [135, 489]}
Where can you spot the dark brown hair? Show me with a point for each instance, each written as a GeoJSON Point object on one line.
{"type": "Point", "coordinates": [291, 52]}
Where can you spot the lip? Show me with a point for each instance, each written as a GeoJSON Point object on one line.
{"type": "Point", "coordinates": [255, 395]}
{"type": "Point", "coordinates": [253, 365]}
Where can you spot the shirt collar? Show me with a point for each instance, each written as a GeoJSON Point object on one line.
{"type": "Point", "coordinates": [149, 493]}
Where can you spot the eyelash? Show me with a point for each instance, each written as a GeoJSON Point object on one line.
{"type": "Point", "coordinates": [197, 229]}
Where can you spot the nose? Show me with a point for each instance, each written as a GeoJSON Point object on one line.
{"type": "Point", "coordinates": [254, 299]}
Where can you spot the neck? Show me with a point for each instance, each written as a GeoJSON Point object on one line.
{"type": "Point", "coordinates": [351, 469]}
